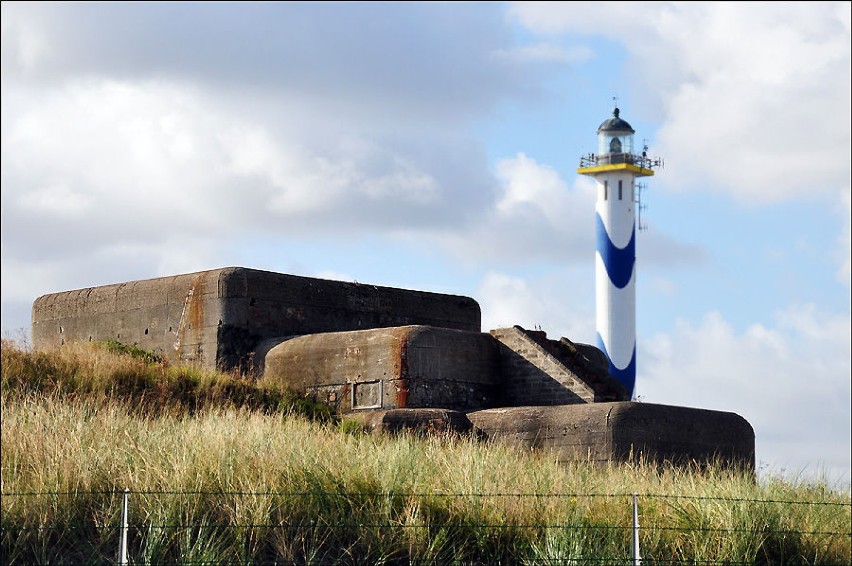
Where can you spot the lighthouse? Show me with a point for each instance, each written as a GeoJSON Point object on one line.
{"type": "Point", "coordinates": [615, 168]}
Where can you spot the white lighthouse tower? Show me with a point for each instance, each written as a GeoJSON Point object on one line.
{"type": "Point", "coordinates": [615, 168]}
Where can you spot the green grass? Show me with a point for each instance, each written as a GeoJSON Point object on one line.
{"type": "Point", "coordinates": [226, 470]}
{"type": "Point", "coordinates": [115, 372]}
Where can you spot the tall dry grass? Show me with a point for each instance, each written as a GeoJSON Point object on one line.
{"type": "Point", "coordinates": [234, 483]}
{"type": "Point", "coordinates": [114, 372]}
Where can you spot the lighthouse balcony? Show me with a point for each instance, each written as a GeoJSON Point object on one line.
{"type": "Point", "coordinates": [593, 160]}
{"type": "Point", "coordinates": [641, 165]}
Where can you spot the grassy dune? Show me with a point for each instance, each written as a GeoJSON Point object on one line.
{"type": "Point", "coordinates": [224, 470]}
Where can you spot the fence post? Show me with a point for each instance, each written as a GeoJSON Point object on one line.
{"type": "Point", "coordinates": [122, 539]}
{"type": "Point", "coordinates": [637, 558]}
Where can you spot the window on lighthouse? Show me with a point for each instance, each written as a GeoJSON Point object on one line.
{"type": "Point", "coordinates": [619, 189]}
{"type": "Point", "coordinates": [615, 145]}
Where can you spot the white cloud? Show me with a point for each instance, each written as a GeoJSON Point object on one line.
{"type": "Point", "coordinates": [545, 51]}
{"type": "Point", "coordinates": [560, 302]}
{"type": "Point", "coordinates": [24, 46]}
{"type": "Point", "coordinates": [506, 301]}
{"type": "Point", "coordinates": [57, 200]}
{"type": "Point", "coordinates": [156, 160]}
{"type": "Point", "coordinates": [791, 381]}
{"type": "Point", "coordinates": [362, 61]}
{"type": "Point", "coordinates": [167, 134]}
{"type": "Point", "coordinates": [535, 216]}
{"type": "Point", "coordinates": [528, 183]}
{"type": "Point", "coordinates": [18, 279]}
{"type": "Point", "coordinates": [754, 101]}
{"type": "Point", "coordinates": [126, 149]}
{"type": "Point", "coordinates": [587, 17]}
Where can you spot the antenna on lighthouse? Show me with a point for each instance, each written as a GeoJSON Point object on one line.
{"type": "Point", "coordinates": [640, 207]}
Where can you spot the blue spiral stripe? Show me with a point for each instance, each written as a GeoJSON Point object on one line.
{"type": "Point", "coordinates": [626, 376]}
{"type": "Point", "coordinates": [618, 261]}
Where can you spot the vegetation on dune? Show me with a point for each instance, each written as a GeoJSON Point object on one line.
{"type": "Point", "coordinates": [222, 469]}
{"type": "Point", "coordinates": [142, 381]}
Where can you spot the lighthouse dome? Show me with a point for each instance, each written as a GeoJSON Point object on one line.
{"type": "Point", "coordinates": [615, 124]}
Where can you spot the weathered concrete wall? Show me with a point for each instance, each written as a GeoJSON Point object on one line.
{"type": "Point", "coordinates": [216, 318]}
{"type": "Point", "coordinates": [592, 367]}
{"type": "Point", "coordinates": [624, 431]}
{"type": "Point", "coordinates": [418, 421]}
{"type": "Point", "coordinates": [409, 366]}
{"type": "Point", "coordinates": [177, 317]}
{"type": "Point", "coordinates": [533, 376]}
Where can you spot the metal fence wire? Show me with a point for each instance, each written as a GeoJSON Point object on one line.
{"type": "Point", "coordinates": [350, 527]}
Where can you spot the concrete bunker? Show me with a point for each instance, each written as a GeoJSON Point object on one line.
{"type": "Point", "coordinates": [397, 359]}
{"type": "Point", "coordinates": [391, 368]}
{"type": "Point", "coordinates": [216, 319]}
{"type": "Point", "coordinates": [624, 432]}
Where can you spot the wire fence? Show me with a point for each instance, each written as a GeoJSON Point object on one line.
{"type": "Point", "coordinates": [318, 527]}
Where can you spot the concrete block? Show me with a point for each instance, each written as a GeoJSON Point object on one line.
{"type": "Point", "coordinates": [399, 367]}
{"type": "Point", "coordinates": [216, 318]}
{"type": "Point", "coordinates": [624, 431]}
{"type": "Point", "coordinates": [421, 421]}
{"type": "Point", "coordinates": [571, 373]}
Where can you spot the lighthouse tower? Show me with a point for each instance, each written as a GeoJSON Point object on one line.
{"type": "Point", "coordinates": [615, 168]}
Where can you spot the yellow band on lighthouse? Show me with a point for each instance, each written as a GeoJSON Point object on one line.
{"type": "Point", "coordinates": [638, 171]}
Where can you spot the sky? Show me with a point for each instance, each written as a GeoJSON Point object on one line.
{"type": "Point", "coordinates": [435, 146]}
